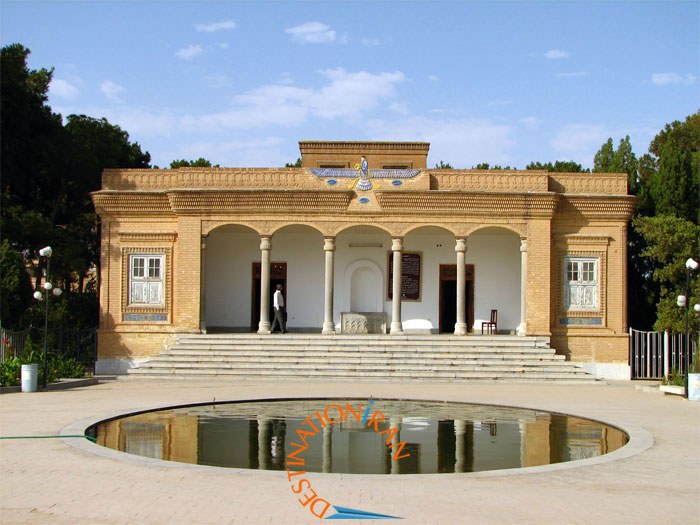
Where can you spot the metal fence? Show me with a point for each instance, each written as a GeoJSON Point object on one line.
{"type": "Point", "coordinates": [80, 345]}
{"type": "Point", "coordinates": [654, 355]}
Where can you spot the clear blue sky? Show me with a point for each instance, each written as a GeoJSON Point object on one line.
{"type": "Point", "coordinates": [240, 83]}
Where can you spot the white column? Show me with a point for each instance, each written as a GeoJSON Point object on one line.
{"type": "Point", "coordinates": [263, 443]}
{"type": "Point", "coordinates": [327, 464]}
{"type": "Point", "coordinates": [396, 326]}
{"type": "Point", "coordinates": [265, 247]}
{"type": "Point", "coordinates": [522, 327]}
{"type": "Point", "coordinates": [203, 287]}
{"type": "Point", "coordinates": [395, 422]}
{"type": "Point", "coordinates": [328, 323]}
{"type": "Point", "coordinates": [460, 428]}
{"type": "Point", "coordinates": [461, 324]}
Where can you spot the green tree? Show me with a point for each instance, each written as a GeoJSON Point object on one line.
{"type": "Point", "coordinates": [201, 162]}
{"type": "Point", "coordinates": [559, 166]}
{"type": "Point", "coordinates": [48, 172]}
{"type": "Point", "coordinates": [297, 164]}
{"type": "Point", "coordinates": [15, 287]}
{"type": "Point", "coordinates": [664, 232]}
{"type": "Point", "coordinates": [487, 166]}
{"type": "Point", "coordinates": [31, 133]}
{"type": "Point", "coordinates": [670, 242]}
{"type": "Point", "coordinates": [443, 166]}
{"type": "Point", "coordinates": [622, 160]}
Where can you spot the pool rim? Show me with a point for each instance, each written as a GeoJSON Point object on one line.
{"type": "Point", "coordinates": [639, 440]}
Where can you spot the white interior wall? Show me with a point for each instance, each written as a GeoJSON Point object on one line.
{"type": "Point", "coordinates": [229, 267]}
{"type": "Point", "coordinates": [305, 258]}
{"type": "Point", "coordinates": [364, 253]}
{"type": "Point", "coordinates": [437, 247]}
{"type": "Point", "coordinates": [496, 260]}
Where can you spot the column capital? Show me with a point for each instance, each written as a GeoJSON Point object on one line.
{"type": "Point", "coordinates": [396, 244]}
{"type": "Point", "coordinates": [329, 244]}
{"type": "Point", "coordinates": [461, 244]}
{"type": "Point", "coordinates": [265, 242]}
{"type": "Point", "coordinates": [523, 244]}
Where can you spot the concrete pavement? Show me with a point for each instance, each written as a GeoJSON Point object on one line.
{"type": "Point", "coordinates": [654, 479]}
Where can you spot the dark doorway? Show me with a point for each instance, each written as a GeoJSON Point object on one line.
{"type": "Point", "coordinates": [448, 297]}
{"type": "Point", "coordinates": [278, 275]}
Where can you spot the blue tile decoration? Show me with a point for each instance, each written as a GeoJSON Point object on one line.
{"type": "Point", "coordinates": [349, 173]}
{"type": "Point", "coordinates": [332, 182]}
{"type": "Point", "coordinates": [396, 182]}
{"type": "Point", "coordinates": [145, 317]}
{"type": "Point", "coordinates": [581, 321]}
{"type": "Point", "coordinates": [364, 200]}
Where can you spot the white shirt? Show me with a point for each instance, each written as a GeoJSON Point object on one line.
{"type": "Point", "coordinates": [278, 300]}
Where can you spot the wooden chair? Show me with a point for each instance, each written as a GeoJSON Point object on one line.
{"type": "Point", "coordinates": [492, 325]}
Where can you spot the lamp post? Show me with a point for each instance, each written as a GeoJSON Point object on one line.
{"type": "Point", "coordinates": [682, 301]}
{"type": "Point", "coordinates": [49, 289]}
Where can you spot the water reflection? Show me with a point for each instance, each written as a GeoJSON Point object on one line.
{"type": "Point", "coordinates": [438, 437]}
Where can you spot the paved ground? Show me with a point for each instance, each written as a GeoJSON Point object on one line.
{"type": "Point", "coordinates": [655, 479]}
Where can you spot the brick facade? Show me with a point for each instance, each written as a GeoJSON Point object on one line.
{"type": "Point", "coordinates": [171, 212]}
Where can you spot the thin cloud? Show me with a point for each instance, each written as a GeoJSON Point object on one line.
{"type": "Point", "coordinates": [312, 33]}
{"type": "Point", "coordinates": [531, 122]}
{"type": "Point", "coordinates": [189, 52]}
{"type": "Point", "coordinates": [111, 90]}
{"type": "Point", "coordinates": [345, 95]}
{"type": "Point", "coordinates": [555, 54]}
{"type": "Point", "coordinates": [461, 142]}
{"type": "Point", "coordinates": [371, 42]}
{"type": "Point", "coordinates": [580, 142]}
{"type": "Point", "coordinates": [226, 25]}
{"type": "Point", "coordinates": [573, 74]}
{"type": "Point", "coordinates": [63, 89]}
{"type": "Point", "coordinates": [666, 79]}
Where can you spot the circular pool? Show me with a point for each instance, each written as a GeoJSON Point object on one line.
{"type": "Point", "coordinates": [358, 436]}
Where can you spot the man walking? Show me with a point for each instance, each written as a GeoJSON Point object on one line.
{"type": "Point", "coordinates": [278, 303]}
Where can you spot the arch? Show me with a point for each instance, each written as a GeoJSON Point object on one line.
{"type": "Point", "coordinates": [364, 293]}
{"type": "Point", "coordinates": [429, 228]}
{"type": "Point", "coordinates": [363, 229]}
{"type": "Point", "coordinates": [209, 227]}
{"type": "Point", "coordinates": [498, 229]}
{"type": "Point", "coordinates": [495, 253]}
{"type": "Point", "coordinates": [229, 252]}
{"type": "Point", "coordinates": [294, 227]}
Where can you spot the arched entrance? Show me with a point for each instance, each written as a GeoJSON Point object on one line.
{"type": "Point", "coordinates": [494, 253]}
{"type": "Point", "coordinates": [230, 253]}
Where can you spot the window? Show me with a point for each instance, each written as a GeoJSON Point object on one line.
{"type": "Point", "coordinates": [581, 283]}
{"type": "Point", "coordinates": [146, 279]}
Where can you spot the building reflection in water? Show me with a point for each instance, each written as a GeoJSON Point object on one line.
{"type": "Point", "coordinates": [439, 437]}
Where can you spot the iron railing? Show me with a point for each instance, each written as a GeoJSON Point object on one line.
{"type": "Point", "coordinates": [654, 355]}
{"type": "Point", "coordinates": [79, 344]}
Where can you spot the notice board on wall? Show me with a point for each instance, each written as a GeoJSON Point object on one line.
{"type": "Point", "coordinates": [410, 276]}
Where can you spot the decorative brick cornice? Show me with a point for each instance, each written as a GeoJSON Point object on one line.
{"type": "Point", "coordinates": [482, 180]}
{"type": "Point", "coordinates": [491, 204]}
{"type": "Point", "coordinates": [589, 183]}
{"type": "Point", "coordinates": [207, 178]}
{"type": "Point", "coordinates": [108, 202]}
{"type": "Point", "coordinates": [279, 202]}
{"type": "Point", "coordinates": [582, 240]}
{"type": "Point", "coordinates": [611, 207]}
{"type": "Point", "coordinates": [154, 237]}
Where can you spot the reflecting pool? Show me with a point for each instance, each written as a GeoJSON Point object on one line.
{"type": "Point", "coordinates": [359, 436]}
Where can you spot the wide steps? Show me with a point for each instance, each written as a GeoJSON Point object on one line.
{"type": "Point", "coordinates": [360, 357]}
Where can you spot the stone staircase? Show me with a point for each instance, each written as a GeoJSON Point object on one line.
{"type": "Point", "coordinates": [303, 357]}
